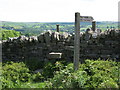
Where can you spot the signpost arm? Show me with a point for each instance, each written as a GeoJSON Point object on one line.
{"type": "Point", "coordinates": [77, 41]}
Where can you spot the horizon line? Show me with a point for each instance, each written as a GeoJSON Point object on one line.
{"type": "Point", "coordinates": [49, 22]}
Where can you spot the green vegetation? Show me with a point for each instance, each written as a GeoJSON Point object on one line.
{"type": "Point", "coordinates": [5, 34]}
{"type": "Point", "coordinates": [14, 75]}
{"type": "Point", "coordinates": [56, 74]}
{"type": "Point", "coordinates": [91, 74]}
{"type": "Point", "coordinates": [35, 28]}
{"type": "Point", "coordinates": [51, 67]}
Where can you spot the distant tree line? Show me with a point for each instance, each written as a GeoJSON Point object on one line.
{"type": "Point", "coordinates": [5, 34]}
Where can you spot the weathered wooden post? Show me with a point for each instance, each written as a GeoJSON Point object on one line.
{"type": "Point", "coordinates": [93, 25]}
{"type": "Point", "coordinates": [79, 19]}
{"type": "Point", "coordinates": [77, 41]}
{"type": "Point", "coordinates": [57, 27]}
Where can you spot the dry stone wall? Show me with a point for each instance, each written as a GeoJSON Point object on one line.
{"type": "Point", "coordinates": [93, 45]}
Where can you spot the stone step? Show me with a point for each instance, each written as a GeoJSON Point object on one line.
{"type": "Point", "coordinates": [54, 55]}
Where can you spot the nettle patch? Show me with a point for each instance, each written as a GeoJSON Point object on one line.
{"type": "Point", "coordinates": [14, 74]}
{"type": "Point", "coordinates": [91, 74]}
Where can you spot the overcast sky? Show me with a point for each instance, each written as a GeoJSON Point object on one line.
{"type": "Point", "coordinates": [57, 10]}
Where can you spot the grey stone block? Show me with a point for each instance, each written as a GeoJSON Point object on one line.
{"type": "Point", "coordinates": [54, 55]}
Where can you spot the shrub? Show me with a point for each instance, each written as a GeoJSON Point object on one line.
{"type": "Point", "coordinates": [50, 68]}
{"type": "Point", "coordinates": [67, 78]}
{"type": "Point", "coordinates": [101, 71]}
{"type": "Point", "coordinates": [14, 74]}
{"type": "Point", "coordinates": [91, 74]}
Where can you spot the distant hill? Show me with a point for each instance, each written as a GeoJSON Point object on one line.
{"type": "Point", "coordinates": [35, 28]}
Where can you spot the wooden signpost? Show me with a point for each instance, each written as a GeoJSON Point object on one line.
{"type": "Point", "coordinates": [78, 19]}
{"type": "Point", "coordinates": [77, 41]}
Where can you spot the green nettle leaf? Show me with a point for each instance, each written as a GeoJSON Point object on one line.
{"type": "Point", "coordinates": [13, 74]}
{"type": "Point", "coordinates": [91, 74]}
